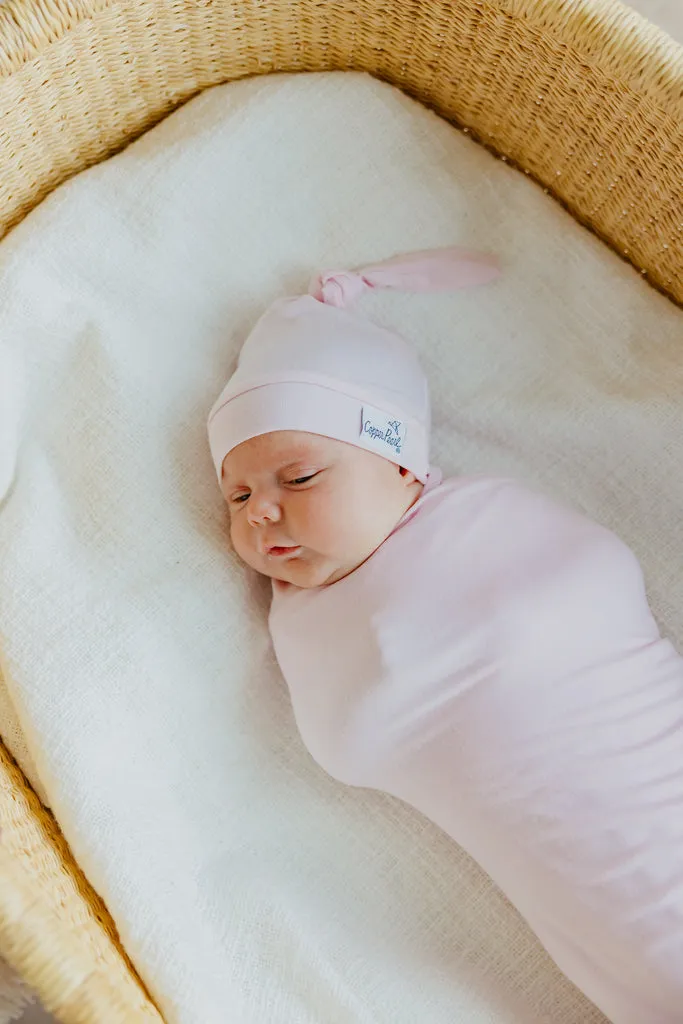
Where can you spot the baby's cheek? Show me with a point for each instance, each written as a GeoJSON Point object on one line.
{"type": "Point", "coordinates": [326, 532]}
{"type": "Point", "coordinates": [240, 543]}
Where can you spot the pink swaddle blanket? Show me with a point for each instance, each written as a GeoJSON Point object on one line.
{"type": "Point", "coordinates": [495, 664]}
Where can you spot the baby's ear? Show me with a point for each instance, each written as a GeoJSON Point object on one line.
{"type": "Point", "coordinates": [408, 477]}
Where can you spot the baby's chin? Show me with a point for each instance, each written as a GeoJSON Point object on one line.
{"type": "Point", "coordinates": [304, 571]}
{"type": "Point", "coordinates": [303, 574]}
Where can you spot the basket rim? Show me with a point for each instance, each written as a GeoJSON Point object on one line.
{"type": "Point", "coordinates": [607, 32]}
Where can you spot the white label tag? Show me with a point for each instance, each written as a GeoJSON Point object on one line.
{"type": "Point", "coordinates": [381, 432]}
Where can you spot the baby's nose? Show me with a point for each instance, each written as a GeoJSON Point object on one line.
{"type": "Point", "coordinates": [263, 510]}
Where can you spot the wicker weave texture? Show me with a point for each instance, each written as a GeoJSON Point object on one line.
{"type": "Point", "coordinates": [54, 929]}
{"type": "Point", "coordinates": [582, 94]}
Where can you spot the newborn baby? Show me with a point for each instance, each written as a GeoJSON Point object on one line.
{"type": "Point", "coordinates": [469, 646]}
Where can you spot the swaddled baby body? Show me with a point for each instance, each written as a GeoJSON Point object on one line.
{"type": "Point", "coordinates": [469, 646]}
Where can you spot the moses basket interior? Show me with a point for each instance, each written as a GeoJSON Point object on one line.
{"type": "Point", "coordinates": [583, 95]}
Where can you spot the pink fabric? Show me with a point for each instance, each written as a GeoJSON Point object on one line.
{"type": "Point", "coordinates": [496, 665]}
{"type": "Point", "coordinates": [431, 270]}
{"type": "Point", "coordinates": [311, 365]}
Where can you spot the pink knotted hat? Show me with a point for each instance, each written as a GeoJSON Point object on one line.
{"type": "Point", "coordinates": [312, 365]}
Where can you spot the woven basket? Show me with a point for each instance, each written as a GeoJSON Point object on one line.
{"type": "Point", "coordinates": [583, 95]}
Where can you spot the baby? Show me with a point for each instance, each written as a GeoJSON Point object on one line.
{"type": "Point", "coordinates": [468, 646]}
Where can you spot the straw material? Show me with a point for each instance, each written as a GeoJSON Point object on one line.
{"type": "Point", "coordinates": [15, 995]}
{"type": "Point", "coordinates": [54, 929]}
{"type": "Point", "coordinates": [584, 95]}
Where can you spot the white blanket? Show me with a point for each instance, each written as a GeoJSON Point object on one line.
{"type": "Point", "coordinates": [247, 885]}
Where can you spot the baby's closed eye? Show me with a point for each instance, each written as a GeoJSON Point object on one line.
{"type": "Point", "coordinates": [302, 479]}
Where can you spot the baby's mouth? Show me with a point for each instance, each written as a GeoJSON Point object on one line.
{"type": "Point", "coordinates": [278, 551]}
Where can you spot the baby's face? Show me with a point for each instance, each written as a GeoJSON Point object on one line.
{"type": "Point", "coordinates": [309, 510]}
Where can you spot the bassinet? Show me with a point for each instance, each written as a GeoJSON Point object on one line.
{"type": "Point", "coordinates": [583, 95]}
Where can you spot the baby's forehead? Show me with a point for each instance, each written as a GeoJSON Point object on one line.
{"type": "Point", "coordinates": [275, 451]}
